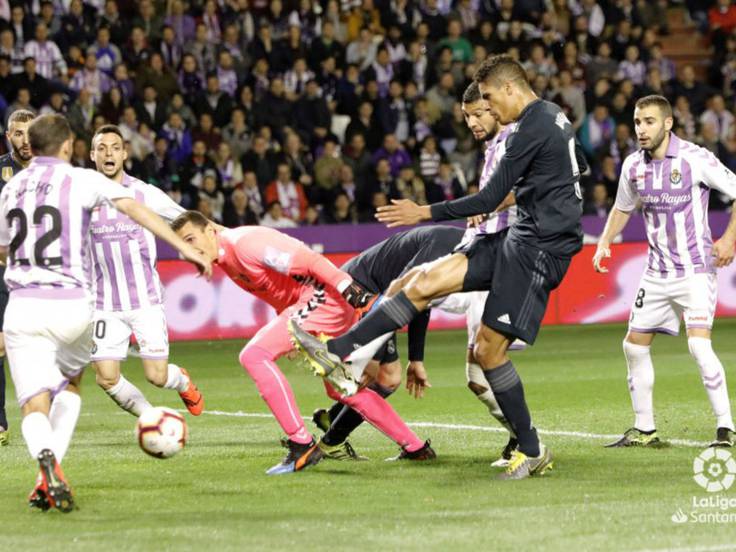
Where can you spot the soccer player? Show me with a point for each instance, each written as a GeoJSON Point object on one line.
{"type": "Point", "coordinates": [10, 164]}
{"type": "Point", "coordinates": [378, 266]}
{"type": "Point", "coordinates": [374, 270]}
{"type": "Point", "coordinates": [129, 297]}
{"type": "Point", "coordinates": [300, 284]}
{"type": "Point", "coordinates": [520, 266]}
{"type": "Point", "coordinates": [672, 178]}
{"type": "Point", "coordinates": [45, 213]}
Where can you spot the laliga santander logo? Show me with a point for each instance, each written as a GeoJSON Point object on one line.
{"type": "Point", "coordinates": [714, 469]}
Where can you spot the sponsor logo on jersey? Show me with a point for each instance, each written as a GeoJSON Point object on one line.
{"type": "Point", "coordinates": [505, 318]}
{"type": "Point", "coordinates": [7, 173]}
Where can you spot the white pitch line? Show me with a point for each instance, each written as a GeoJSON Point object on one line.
{"type": "Point", "coordinates": [713, 548]}
{"type": "Point", "coordinates": [468, 427]}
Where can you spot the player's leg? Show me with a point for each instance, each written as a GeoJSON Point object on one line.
{"type": "Point", "coordinates": [432, 280]}
{"type": "Point", "coordinates": [652, 312]}
{"type": "Point", "coordinates": [111, 335]}
{"type": "Point", "coordinates": [698, 300]}
{"type": "Point", "coordinates": [4, 434]}
{"type": "Point", "coordinates": [151, 333]}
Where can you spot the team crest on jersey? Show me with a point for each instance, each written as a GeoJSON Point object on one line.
{"type": "Point", "coordinates": [675, 177]}
{"type": "Point", "coordinates": [7, 173]}
{"type": "Point", "coordinates": [561, 120]}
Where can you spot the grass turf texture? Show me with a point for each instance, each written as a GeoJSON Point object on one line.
{"type": "Point", "coordinates": [215, 495]}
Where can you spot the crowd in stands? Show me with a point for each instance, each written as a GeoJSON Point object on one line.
{"type": "Point", "coordinates": [300, 112]}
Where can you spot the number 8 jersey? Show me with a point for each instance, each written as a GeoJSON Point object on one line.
{"type": "Point", "coordinates": [45, 213]}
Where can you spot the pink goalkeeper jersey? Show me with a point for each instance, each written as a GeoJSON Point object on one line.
{"type": "Point", "coordinates": [45, 213]}
{"type": "Point", "coordinates": [124, 253]}
{"type": "Point", "coordinates": [275, 267]}
{"type": "Point", "coordinates": [674, 194]}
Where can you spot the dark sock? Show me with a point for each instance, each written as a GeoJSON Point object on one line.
{"type": "Point", "coordinates": [392, 314]}
{"type": "Point", "coordinates": [348, 419]}
{"type": "Point", "coordinates": [3, 418]}
{"type": "Point", "coordinates": [509, 392]}
{"type": "Point", "coordinates": [335, 410]}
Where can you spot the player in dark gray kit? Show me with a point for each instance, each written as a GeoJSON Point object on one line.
{"type": "Point", "coordinates": [519, 267]}
{"type": "Point", "coordinates": [17, 159]}
{"type": "Point", "coordinates": [375, 269]}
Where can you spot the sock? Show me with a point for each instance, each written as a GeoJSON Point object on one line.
{"type": "Point", "coordinates": [375, 410]}
{"type": "Point", "coordinates": [3, 416]}
{"type": "Point", "coordinates": [176, 379]}
{"type": "Point", "coordinates": [63, 416]}
{"type": "Point", "coordinates": [362, 355]}
{"type": "Point", "coordinates": [37, 432]}
{"type": "Point", "coordinates": [509, 392]}
{"type": "Point", "coordinates": [714, 379]}
{"type": "Point", "coordinates": [475, 374]}
{"type": "Point", "coordinates": [348, 419]}
{"type": "Point", "coordinates": [641, 384]}
{"type": "Point", "coordinates": [274, 388]}
{"type": "Point", "coordinates": [393, 313]}
{"type": "Point", "coordinates": [335, 410]}
{"type": "Point", "coordinates": [128, 397]}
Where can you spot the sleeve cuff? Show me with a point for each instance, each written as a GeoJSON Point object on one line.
{"type": "Point", "coordinates": [438, 211]}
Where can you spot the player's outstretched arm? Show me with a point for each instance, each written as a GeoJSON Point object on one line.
{"type": "Point", "coordinates": [723, 248]}
{"type": "Point", "coordinates": [616, 222]}
{"type": "Point", "coordinates": [151, 221]}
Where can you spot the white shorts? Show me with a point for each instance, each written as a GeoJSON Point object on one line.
{"type": "Point", "coordinates": [48, 342]}
{"type": "Point", "coordinates": [112, 331]}
{"type": "Point", "coordinates": [660, 304]}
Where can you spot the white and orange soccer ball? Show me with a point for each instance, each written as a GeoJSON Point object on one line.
{"type": "Point", "coordinates": [161, 432]}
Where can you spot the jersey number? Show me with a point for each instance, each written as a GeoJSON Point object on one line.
{"type": "Point", "coordinates": [53, 234]}
{"type": "Point", "coordinates": [575, 167]}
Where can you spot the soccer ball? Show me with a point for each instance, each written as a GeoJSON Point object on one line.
{"type": "Point", "coordinates": [161, 431]}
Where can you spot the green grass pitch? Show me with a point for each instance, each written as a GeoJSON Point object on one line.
{"type": "Point", "coordinates": [215, 495]}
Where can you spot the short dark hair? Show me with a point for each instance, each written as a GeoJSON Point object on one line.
{"type": "Point", "coordinates": [109, 129]}
{"type": "Point", "coordinates": [472, 93]}
{"type": "Point", "coordinates": [47, 133]}
{"type": "Point", "coordinates": [655, 99]}
{"type": "Point", "coordinates": [194, 217]}
{"type": "Point", "coordinates": [500, 68]}
{"type": "Point", "coordinates": [21, 116]}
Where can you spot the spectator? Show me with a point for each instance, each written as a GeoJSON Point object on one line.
{"type": "Point", "coordinates": [182, 23]}
{"type": "Point", "coordinates": [150, 21]}
{"type": "Point", "coordinates": [150, 109]}
{"type": "Point", "coordinates": [296, 79]}
{"type": "Point", "coordinates": [112, 105]}
{"type": "Point", "coordinates": [326, 45]}
{"type": "Point", "coordinates": [253, 193]}
{"type": "Point", "coordinates": [80, 154]}
{"type": "Point", "coordinates": [447, 184]}
{"type": "Point", "coordinates": [237, 213]}
{"type": "Point", "coordinates": [459, 45]}
{"type": "Point", "coordinates": [49, 61]}
{"type": "Point", "coordinates": [81, 113]}
{"type": "Point", "coordinates": [178, 137]}
{"type": "Point", "coordinates": [204, 51]}
{"type": "Point", "coordinates": [632, 67]}
{"type": "Point", "coordinates": [365, 124]}
{"type": "Point", "coordinates": [394, 153]}
{"type": "Point", "coordinates": [362, 51]}
{"type": "Point", "coordinates": [226, 73]}
{"type": "Point", "coordinates": [159, 167]}
{"type": "Point", "coordinates": [192, 172]}
{"type": "Point", "coordinates": [38, 86]}
{"type": "Point", "coordinates": [327, 166]}
{"type": "Point", "coordinates": [298, 158]}
{"type": "Point", "coordinates": [377, 199]}
{"type": "Point", "coordinates": [137, 51]}
{"type": "Point", "coordinates": [366, 16]}
{"type": "Point", "coordinates": [9, 49]}
{"type": "Point", "coordinates": [160, 77]}
{"type": "Point", "coordinates": [95, 81]}
{"type": "Point", "coordinates": [665, 65]}
{"type": "Point", "coordinates": [211, 193]}
{"type": "Point", "coordinates": [289, 194]}
{"type": "Point", "coordinates": [692, 89]}
{"type": "Point", "coordinates": [357, 157]}
{"type": "Point", "coordinates": [124, 82]}
{"type": "Point", "coordinates": [342, 211]}
{"type": "Point", "coordinates": [599, 203]}
{"type": "Point", "coordinates": [429, 159]}
{"type": "Point", "coordinates": [597, 130]}
{"type": "Point", "coordinates": [311, 114]}
{"type": "Point", "coordinates": [214, 101]}
{"type": "Point", "coordinates": [108, 55]}
{"type": "Point", "coordinates": [111, 19]}
{"type": "Point", "coordinates": [206, 132]}
{"type": "Point", "coordinates": [229, 168]}
{"type": "Point", "coordinates": [441, 97]}
{"type": "Point", "coordinates": [410, 186]}
{"type": "Point", "coordinates": [684, 117]}
{"type": "Point", "coordinates": [170, 49]}
{"type": "Point", "coordinates": [718, 116]}
{"type": "Point", "coordinates": [260, 161]}
{"type": "Point", "coordinates": [237, 134]}
{"type": "Point", "coordinates": [211, 21]}
{"type": "Point", "coordinates": [275, 217]}
{"type": "Point", "coordinates": [291, 48]}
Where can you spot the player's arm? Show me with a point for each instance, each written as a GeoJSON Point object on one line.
{"type": "Point", "coordinates": [151, 221]}
{"type": "Point", "coordinates": [626, 199]}
{"type": "Point", "coordinates": [4, 236]}
{"type": "Point", "coordinates": [416, 374]}
{"type": "Point", "coordinates": [717, 175]}
{"type": "Point", "coordinates": [521, 148]}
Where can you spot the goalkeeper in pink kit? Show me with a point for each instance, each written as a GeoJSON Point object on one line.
{"type": "Point", "coordinates": [305, 286]}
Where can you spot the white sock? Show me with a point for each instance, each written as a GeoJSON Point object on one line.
{"type": "Point", "coordinates": [176, 379]}
{"type": "Point", "coordinates": [714, 379]}
{"type": "Point", "coordinates": [63, 416]}
{"type": "Point", "coordinates": [361, 356]}
{"type": "Point", "coordinates": [128, 397]}
{"type": "Point", "coordinates": [641, 384]}
{"type": "Point", "coordinates": [475, 374]}
{"type": "Point", "coordinates": [37, 432]}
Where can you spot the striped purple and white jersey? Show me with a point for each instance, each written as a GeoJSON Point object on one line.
{"type": "Point", "coordinates": [495, 150]}
{"type": "Point", "coordinates": [124, 253]}
{"type": "Point", "coordinates": [674, 195]}
{"type": "Point", "coordinates": [45, 213]}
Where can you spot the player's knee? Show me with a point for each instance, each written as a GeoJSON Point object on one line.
{"type": "Point", "coordinates": [635, 351]}
{"type": "Point", "coordinates": [701, 350]}
{"type": "Point", "coordinates": [107, 380]}
{"type": "Point", "coordinates": [422, 287]}
{"type": "Point", "coordinates": [252, 358]}
{"type": "Point", "coordinates": [488, 354]}
{"type": "Point", "coordinates": [157, 377]}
